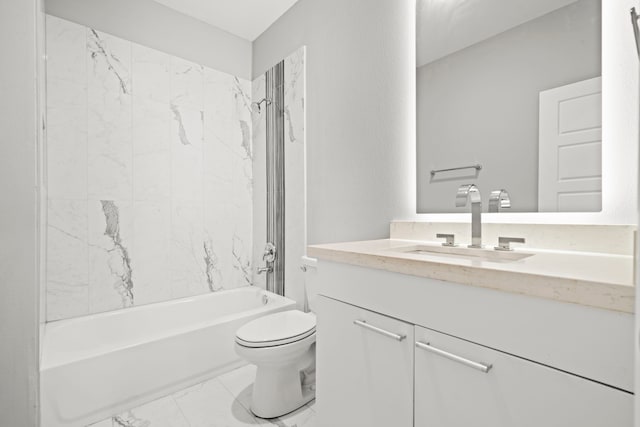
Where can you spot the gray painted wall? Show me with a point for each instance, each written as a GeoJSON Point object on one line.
{"type": "Point", "coordinates": [480, 104]}
{"type": "Point", "coordinates": [18, 218]}
{"type": "Point", "coordinates": [360, 111]}
{"type": "Point", "coordinates": [154, 25]}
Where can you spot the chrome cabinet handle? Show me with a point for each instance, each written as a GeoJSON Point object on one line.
{"type": "Point", "coordinates": [451, 356]}
{"type": "Point", "coordinates": [365, 325]}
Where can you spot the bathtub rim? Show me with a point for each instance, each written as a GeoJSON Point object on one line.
{"type": "Point", "coordinates": [275, 300]}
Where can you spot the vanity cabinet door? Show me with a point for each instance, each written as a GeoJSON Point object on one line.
{"type": "Point", "coordinates": [364, 367]}
{"type": "Point", "coordinates": [515, 392]}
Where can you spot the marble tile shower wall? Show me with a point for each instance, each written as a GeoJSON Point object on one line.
{"type": "Point", "coordinates": [149, 166]}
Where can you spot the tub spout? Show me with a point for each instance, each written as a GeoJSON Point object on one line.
{"type": "Point", "coordinates": [265, 269]}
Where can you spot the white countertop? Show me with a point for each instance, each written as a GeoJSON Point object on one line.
{"type": "Point", "coordinates": [586, 278]}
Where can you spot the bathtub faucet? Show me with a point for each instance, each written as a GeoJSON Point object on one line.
{"type": "Point", "coordinates": [268, 256]}
{"type": "Point", "coordinates": [265, 269]}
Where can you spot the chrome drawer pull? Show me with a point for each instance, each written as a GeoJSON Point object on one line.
{"type": "Point", "coordinates": [378, 330]}
{"type": "Point", "coordinates": [451, 356]}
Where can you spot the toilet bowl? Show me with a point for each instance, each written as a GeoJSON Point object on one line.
{"type": "Point", "coordinates": [282, 346]}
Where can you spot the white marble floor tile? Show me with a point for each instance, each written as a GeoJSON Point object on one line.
{"type": "Point", "coordinates": [163, 412]}
{"type": "Point", "coordinates": [220, 402]}
{"type": "Point", "coordinates": [210, 404]}
{"type": "Point", "coordinates": [303, 417]}
{"type": "Point", "coordinates": [239, 382]}
{"type": "Point", "coordinates": [104, 423]}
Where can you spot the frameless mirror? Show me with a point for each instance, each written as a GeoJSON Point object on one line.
{"type": "Point", "coordinates": [509, 97]}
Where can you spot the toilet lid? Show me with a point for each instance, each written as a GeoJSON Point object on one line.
{"type": "Point", "coordinates": [277, 329]}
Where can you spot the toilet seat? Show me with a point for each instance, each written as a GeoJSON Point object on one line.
{"type": "Point", "coordinates": [277, 329]}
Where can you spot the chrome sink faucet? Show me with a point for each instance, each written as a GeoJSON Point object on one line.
{"type": "Point", "coordinates": [466, 192]}
{"type": "Point", "coordinates": [499, 199]}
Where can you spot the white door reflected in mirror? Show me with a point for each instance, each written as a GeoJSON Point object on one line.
{"type": "Point", "coordinates": [571, 144]}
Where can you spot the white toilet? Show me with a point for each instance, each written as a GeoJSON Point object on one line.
{"type": "Point", "coordinates": [282, 346]}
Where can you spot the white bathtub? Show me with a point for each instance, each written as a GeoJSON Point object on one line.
{"type": "Point", "coordinates": [99, 365]}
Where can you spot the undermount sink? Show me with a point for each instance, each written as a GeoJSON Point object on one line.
{"type": "Point", "coordinates": [463, 252]}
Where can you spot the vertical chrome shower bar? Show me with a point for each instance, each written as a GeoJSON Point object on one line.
{"type": "Point", "coordinates": [275, 174]}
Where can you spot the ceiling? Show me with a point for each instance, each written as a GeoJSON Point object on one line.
{"type": "Point", "coordinates": [446, 26]}
{"type": "Point", "coordinates": [244, 18]}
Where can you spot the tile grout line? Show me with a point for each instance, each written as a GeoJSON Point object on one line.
{"type": "Point", "coordinates": [235, 398]}
{"type": "Point", "coordinates": [184, 416]}
{"type": "Point", "coordinates": [255, 420]}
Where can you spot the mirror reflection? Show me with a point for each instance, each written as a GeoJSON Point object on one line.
{"type": "Point", "coordinates": [509, 97]}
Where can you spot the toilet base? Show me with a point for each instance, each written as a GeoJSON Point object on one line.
{"type": "Point", "coordinates": [280, 405]}
{"type": "Point", "coordinates": [278, 390]}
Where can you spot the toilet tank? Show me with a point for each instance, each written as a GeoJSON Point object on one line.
{"type": "Point", "coordinates": [310, 282]}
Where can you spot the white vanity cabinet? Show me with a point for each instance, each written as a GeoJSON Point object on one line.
{"type": "Point", "coordinates": [453, 388]}
{"type": "Point", "coordinates": [552, 363]}
{"type": "Point", "coordinates": [364, 369]}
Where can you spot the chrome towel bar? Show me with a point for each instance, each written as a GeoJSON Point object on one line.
{"type": "Point", "coordinates": [477, 167]}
